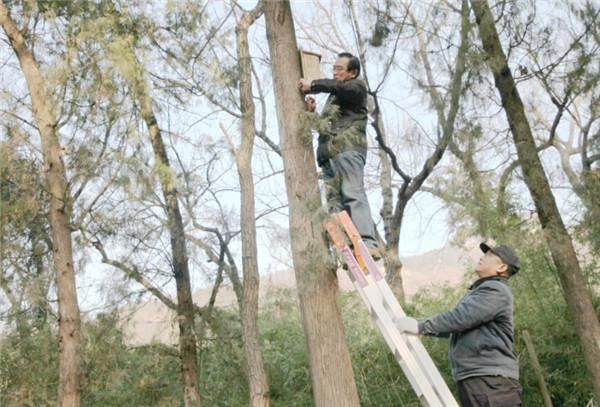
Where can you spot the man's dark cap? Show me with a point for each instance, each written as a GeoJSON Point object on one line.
{"type": "Point", "coordinates": [506, 254]}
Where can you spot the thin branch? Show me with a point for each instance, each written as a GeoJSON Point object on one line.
{"type": "Point", "coordinates": [135, 274]}
{"type": "Point", "coordinates": [384, 146]}
{"type": "Point", "coordinates": [275, 147]}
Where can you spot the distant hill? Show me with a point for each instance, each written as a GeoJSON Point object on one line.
{"type": "Point", "coordinates": [153, 322]}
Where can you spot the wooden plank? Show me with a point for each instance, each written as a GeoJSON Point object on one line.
{"type": "Point", "coordinates": [360, 248]}
{"type": "Point", "coordinates": [339, 241]}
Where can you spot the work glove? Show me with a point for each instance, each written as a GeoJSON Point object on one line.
{"type": "Point", "coordinates": [407, 325]}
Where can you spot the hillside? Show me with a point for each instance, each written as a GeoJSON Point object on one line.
{"type": "Point", "coordinates": [153, 322]}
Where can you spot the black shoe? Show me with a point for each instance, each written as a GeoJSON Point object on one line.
{"type": "Point", "coordinates": [375, 253]}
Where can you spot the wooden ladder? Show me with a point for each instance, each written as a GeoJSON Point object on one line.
{"type": "Point", "coordinates": [419, 369]}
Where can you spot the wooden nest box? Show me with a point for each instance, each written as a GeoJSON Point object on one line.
{"type": "Point", "coordinates": [310, 63]}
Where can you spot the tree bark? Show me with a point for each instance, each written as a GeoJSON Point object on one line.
{"type": "Point", "coordinates": [576, 292]}
{"type": "Point", "coordinates": [181, 273]}
{"type": "Point", "coordinates": [331, 370]}
{"type": "Point", "coordinates": [168, 180]}
{"type": "Point", "coordinates": [69, 336]}
{"type": "Point", "coordinates": [257, 378]}
{"type": "Point", "coordinates": [185, 308]}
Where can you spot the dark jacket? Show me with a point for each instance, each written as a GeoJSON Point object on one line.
{"type": "Point", "coordinates": [481, 331]}
{"type": "Point", "coordinates": [342, 125]}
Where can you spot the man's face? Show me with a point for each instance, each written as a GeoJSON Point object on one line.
{"type": "Point", "coordinates": [489, 265]}
{"type": "Point", "coordinates": [340, 70]}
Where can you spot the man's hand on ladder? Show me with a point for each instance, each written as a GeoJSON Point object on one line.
{"type": "Point", "coordinates": [407, 325]}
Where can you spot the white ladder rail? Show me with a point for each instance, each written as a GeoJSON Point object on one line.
{"type": "Point", "coordinates": [419, 369]}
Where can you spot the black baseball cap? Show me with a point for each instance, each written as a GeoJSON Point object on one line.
{"type": "Point", "coordinates": [506, 254]}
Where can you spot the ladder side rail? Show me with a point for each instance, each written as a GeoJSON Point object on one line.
{"type": "Point", "coordinates": [406, 368]}
{"type": "Point", "coordinates": [409, 364]}
{"type": "Point", "coordinates": [420, 351]}
{"type": "Point", "coordinates": [414, 343]}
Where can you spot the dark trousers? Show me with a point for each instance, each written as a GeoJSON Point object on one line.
{"type": "Point", "coordinates": [489, 391]}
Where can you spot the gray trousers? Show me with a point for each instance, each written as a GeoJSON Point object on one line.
{"type": "Point", "coordinates": [489, 391]}
{"type": "Point", "coordinates": [345, 190]}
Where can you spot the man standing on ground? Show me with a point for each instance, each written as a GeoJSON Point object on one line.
{"type": "Point", "coordinates": [481, 333]}
{"type": "Point", "coordinates": [342, 144]}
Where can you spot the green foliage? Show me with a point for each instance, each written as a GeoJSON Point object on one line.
{"type": "Point", "coordinates": [67, 8]}
{"type": "Point", "coordinates": [166, 175]}
{"type": "Point", "coordinates": [25, 245]}
{"type": "Point", "coordinates": [22, 191]}
{"type": "Point", "coordinates": [117, 374]}
{"type": "Point", "coordinates": [384, 24]}
{"type": "Point", "coordinates": [28, 369]}
{"type": "Point", "coordinates": [284, 353]}
{"type": "Point", "coordinates": [541, 309]}
{"type": "Point", "coordinates": [222, 380]}
{"type": "Point", "coordinates": [589, 227]}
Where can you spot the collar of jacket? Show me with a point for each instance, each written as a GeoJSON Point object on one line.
{"type": "Point", "coordinates": [484, 279]}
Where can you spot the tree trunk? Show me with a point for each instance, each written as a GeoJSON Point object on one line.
{"type": "Point", "coordinates": [393, 264]}
{"type": "Point", "coordinates": [410, 186]}
{"type": "Point", "coordinates": [185, 304]}
{"type": "Point", "coordinates": [257, 378]}
{"type": "Point", "coordinates": [537, 369]}
{"type": "Point", "coordinates": [391, 256]}
{"type": "Point", "coordinates": [559, 242]}
{"type": "Point", "coordinates": [331, 370]}
{"type": "Point", "coordinates": [181, 273]}
{"type": "Point", "coordinates": [60, 205]}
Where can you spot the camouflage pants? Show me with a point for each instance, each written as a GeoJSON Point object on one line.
{"type": "Point", "coordinates": [345, 190]}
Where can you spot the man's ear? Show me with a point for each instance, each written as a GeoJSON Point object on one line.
{"type": "Point", "coordinates": [502, 270]}
{"type": "Point", "coordinates": [354, 73]}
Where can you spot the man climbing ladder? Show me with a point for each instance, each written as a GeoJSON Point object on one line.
{"type": "Point", "coordinates": [414, 360]}
{"type": "Point", "coordinates": [342, 148]}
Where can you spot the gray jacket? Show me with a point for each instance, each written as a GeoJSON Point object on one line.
{"type": "Point", "coordinates": [481, 331]}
